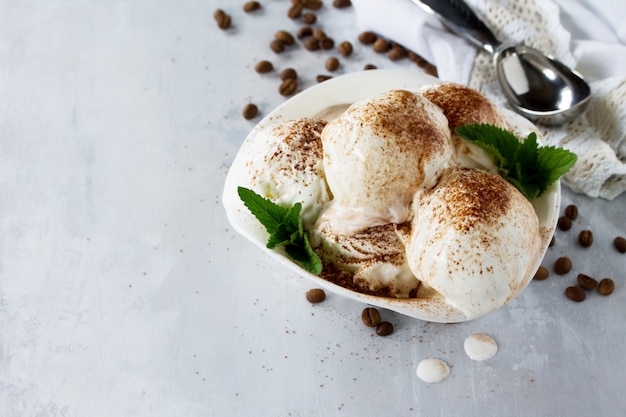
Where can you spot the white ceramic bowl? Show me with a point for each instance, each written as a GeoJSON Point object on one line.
{"type": "Point", "coordinates": [339, 91]}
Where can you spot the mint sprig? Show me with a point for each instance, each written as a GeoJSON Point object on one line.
{"type": "Point", "coordinates": [284, 226]}
{"type": "Point", "coordinates": [529, 167]}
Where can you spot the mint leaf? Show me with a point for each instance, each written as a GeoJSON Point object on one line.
{"type": "Point", "coordinates": [529, 167]}
{"type": "Point", "coordinates": [269, 214]}
{"type": "Point", "coordinates": [284, 226]}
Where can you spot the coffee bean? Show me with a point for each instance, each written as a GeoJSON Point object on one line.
{"type": "Point", "coordinates": [312, 44]}
{"type": "Point", "coordinates": [319, 34]}
{"type": "Point", "coordinates": [431, 70]}
{"type": "Point", "coordinates": [321, 78]}
{"type": "Point", "coordinates": [285, 37]}
{"type": "Point", "coordinates": [288, 87]}
{"type": "Point", "coordinates": [222, 18]}
{"type": "Point", "coordinates": [332, 64]}
{"type": "Point", "coordinates": [327, 43]}
{"type": "Point", "coordinates": [620, 244]}
{"type": "Point", "coordinates": [288, 73]}
{"type": "Point", "coordinates": [277, 46]}
{"type": "Point", "coordinates": [370, 67]}
{"type": "Point", "coordinates": [312, 4]}
{"type": "Point", "coordinates": [418, 59]}
{"type": "Point", "coordinates": [396, 53]}
{"type": "Point", "coordinates": [552, 241]}
{"type": "Point", "coordinates": [250, 111]}
{"type": "Point", "coordinates": [263, 67]}
{"type": "Point", "coordinates": [251, 6]}
{"type": "Point", "coordinates": [304, 32]}
{"type": "Point", "coordinates": [606, 286]}
{"type": "Point", "coordinates": [575, 294]}
{"type": "Point", "coordinates": [571, 212]}
{"type": "Point", "coordinates": [585, 238]}
{"type": "Point", "coordinates": [308, 18]}
{"type": "Point", "coordinates": [370, 317]}
{"type": "Point", "coordinates": [345, 48]}
{"type": "Point", "coordinates": [563, 265]}
{"type": "Point", "coordinates": [342, 3]}
{"type": "Point", "coordinates": [381, 45]}
{"type": "Point", "coordinates": [384, 328]}
{"type": "Point", "coordinates": [367, 38]}
{"type": "Point", "coordinates": [564, 223]}
{"type": "Point", "coordinates": [294, 11]}
{"type": "Point", "coordinates": [586, 282]}
{"type": "Point", "coordinates": [542, 273]}
{"type": "Point", "coordinates": [315, 295]}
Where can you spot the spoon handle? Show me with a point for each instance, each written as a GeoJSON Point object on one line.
{"type": "Point", "coordinates": [461, 19]}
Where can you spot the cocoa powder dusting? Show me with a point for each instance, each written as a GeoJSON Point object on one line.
{"type": "Point", "coordinates": [463, 105]}
{"type": "Point", "coordinates": [475, 197]}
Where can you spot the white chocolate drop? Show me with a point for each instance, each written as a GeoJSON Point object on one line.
{"type": "Point", "coordinates": [480, 347]}
{"type": "Point", "coordinates": [432, 370]}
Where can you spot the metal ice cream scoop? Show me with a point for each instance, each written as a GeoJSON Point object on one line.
{"type": "Point", "coordinates": [536, 85]}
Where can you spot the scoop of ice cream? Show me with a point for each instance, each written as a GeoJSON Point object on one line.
{"type": "Point", "coordinates": [377, 154]}
{"type": "Point", "coordinates": [464, 106]}
{"type": "Point", "coordinates": [474, 239]}
{"type": "Point", "coordinates": [372, 261]}
{"type": "Point", "coordinates": [287, 166]}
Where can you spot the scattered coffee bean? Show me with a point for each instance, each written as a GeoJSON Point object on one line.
{"type": "Point", "coordinates": [251, 6]}
{"type": "Point", "coordinates": [345, 48]}
{"type": "Point", "coordinates": [575, 294]}
{"type": "Point", "coordinates": [288, 73]}
{"type": "Point", "coordinates": [311, 4]}
{"type": "Point", "coordinates": [312, 44]}
{"type": "Point", "coordinates": [542, 273]}
{"type": "Point", "coordinates": [319, 34]}
{"type": "Point", "coordinates": [321, 78]}
{"type": "Point", "coordinates": [431, 70]}
{"type": "Point", "coordinates": [552, 241]}
{"type": "Point", "coordinates": [606, 286]}
{"type": "Point", "coordinates": [585, 238]}
{"type": "Point", "coordinates": [418, 59]}
{"type": "Point", "coordinates": [332, 64]}
{"type": "Point", "coordinates": [370, 317]}
{"type": "Point", "coordinates": [563, 265]}
{"type": "Point", "coordinates": [308, 18]}
{"type": "Point", "coordinates": [263, 67]}
{"type": "Point", "coordinates": [277, 46]}
{"type": "Point", "coordinates": [384, 328]}
{"type": "Point", "coordinates": [571, 212]}
{"type": "Point", "coordinates": [370, 67]}
{"type": "Point", "coordinates": [342, 3]}
{"type": "Point", "coordinates": [620, 244]}
{"type": "Point", "coordinates": [288, 87]}
{"type": "Point", "coordinates": [367, 38]}
{"type": "Point", "coordinates": [304, 32]}
{"type": "Point", "coordinates": [381, 45]}
{"type": "Point", "coordinates": [250, 111]}
{"type": "Point", "coordinates": [396, 53]}
{"type": "Point", "coordinates": [285, 37]}
{"type": "Point", "coordinates": [327, 43]}
{"type": "Point", "coordinates": [564, 223]}
{"type": "Point", "coordinates": [315, 295]}
{"type": "Point", "coordinates": [222, 18]}
{"type": "Point", "coordinates": [295, 11]}
{"type": "Point", "coordinates": [586, 282]}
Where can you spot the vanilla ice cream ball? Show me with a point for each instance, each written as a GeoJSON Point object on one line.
{"type": "Point", "coordinates": [372, 261]}
{"type": "Point", "coordinates": [465, 106]}
{"type": "Point", "coordinates": [377, 154]}
{"type": "Point", "coordinates": [474, 239]}
{"type": "Point", "coordinates": [287, 167]}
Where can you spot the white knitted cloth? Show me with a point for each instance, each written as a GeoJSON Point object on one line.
{"type": "Point", "coordinates": [588, 37]}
